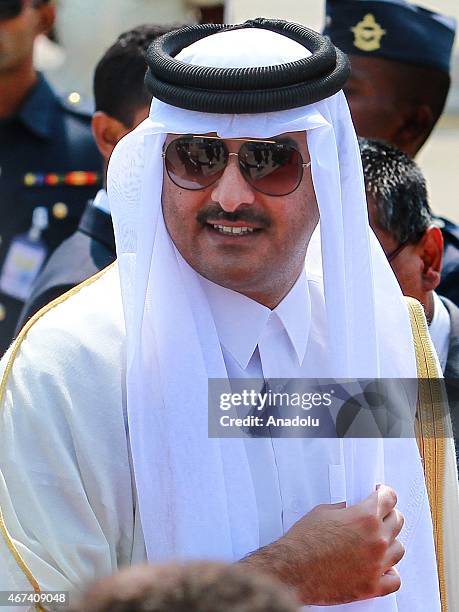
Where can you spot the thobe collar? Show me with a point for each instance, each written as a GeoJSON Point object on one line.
{"type": "Point", "coordinates": [241, 321]}
{"type": "Point", "coordinates": [101, 201]}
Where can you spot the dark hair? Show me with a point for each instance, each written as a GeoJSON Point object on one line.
{"type": "Point", "coordinates": [119, 87]}
{"type": "Point", "coordinates": [194, 587]}
{"type": "Point", "coordinates": [398, 188]}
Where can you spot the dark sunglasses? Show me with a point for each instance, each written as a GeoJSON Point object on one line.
{"type": "Point", "coordinates": [269, 166]}
{"type": "Point", "coordinates": [12, 8]}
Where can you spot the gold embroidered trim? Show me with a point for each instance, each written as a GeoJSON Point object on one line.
{"type": "Point", "coordinates": [430, 432]}
{"type": "Point", "coordinates": [17, 345]}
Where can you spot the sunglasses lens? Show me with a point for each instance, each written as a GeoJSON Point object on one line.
{"type": "Point", "coordinates": [272, 168]}
{"type": "Point", "coordinates": [195, 163]}
{"type": "Point", "coordinates": [10, 8]}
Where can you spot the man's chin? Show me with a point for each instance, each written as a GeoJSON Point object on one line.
{"type": "Point", "coordinates": [237, 279]}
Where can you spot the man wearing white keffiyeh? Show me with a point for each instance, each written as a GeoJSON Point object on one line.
{"type": "Point", "coordinates": [107, 458]}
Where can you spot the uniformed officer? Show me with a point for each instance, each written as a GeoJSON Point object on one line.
{"type": "Point", "coordinates": [400, 55]}
{"type": "Point", "coordinates": [49, 164]}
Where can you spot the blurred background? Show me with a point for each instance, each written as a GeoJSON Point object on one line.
{"type": "Point", "coordinates": [85, 28]}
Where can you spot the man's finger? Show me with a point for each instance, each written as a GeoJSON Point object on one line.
{"type": "Point", "coordinates": [387, 500]}
{"type": "Point", "coordinates": [394, 554]}
{"type": "Point", "coordinates": [393, 523]}
{"type": "Point", "coordinates": [390, 582]}
{"type": "Point", "coordinates": [382, 501]}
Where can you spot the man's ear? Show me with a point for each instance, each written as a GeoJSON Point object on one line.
{"type": "Point", "coordinates": [411, 134]}
{"type": "Point", "coordinates": [431, 252]}
{"type": "Point", "coordinates": [47, 15]}
{"type": "Point", "coordinates": [107, 132]}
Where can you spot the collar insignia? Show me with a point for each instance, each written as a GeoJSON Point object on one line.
{"type": "Point", "coordinates": [368, 34]}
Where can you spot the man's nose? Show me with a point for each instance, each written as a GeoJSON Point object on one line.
{"type": "Point", "coordinates": [232, 189]}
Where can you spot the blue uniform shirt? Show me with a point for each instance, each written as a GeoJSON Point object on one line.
{"type": "Point", "coordinates": [47, 158]}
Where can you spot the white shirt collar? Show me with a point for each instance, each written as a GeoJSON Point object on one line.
{"type": "Point", "coordinates": [240, 321]}
{"type": "Point", "coordinates": [101, 201]}
{"type": "Point", "coordinates": [440, 330]}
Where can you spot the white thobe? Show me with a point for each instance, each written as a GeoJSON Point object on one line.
{"type": "Point", "coordinates": [67, 491]}
{"type": "Point", "coordinates": [259, 343]}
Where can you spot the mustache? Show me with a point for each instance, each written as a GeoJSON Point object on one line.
{"type": "Point", "coordinates": [214, 212]}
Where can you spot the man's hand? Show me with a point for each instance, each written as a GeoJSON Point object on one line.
{"type": "Point", "coordinates": [336, 555]}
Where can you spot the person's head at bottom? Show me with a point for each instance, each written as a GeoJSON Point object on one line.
{"type": "Point", "coordinates": [193, 587]}
{"type": "Point", "coordinates": [401, 218]}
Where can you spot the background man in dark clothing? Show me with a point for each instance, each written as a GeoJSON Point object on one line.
{"type": "Point", "coordinates": [49, 164]}
{"type": "Point", "coordinates": [401, 218]}
{"type": "Point", "coordinates": [400, 55]}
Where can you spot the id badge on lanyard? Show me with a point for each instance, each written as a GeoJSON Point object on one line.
{"type": "Point", "coordinates": [25, 258]}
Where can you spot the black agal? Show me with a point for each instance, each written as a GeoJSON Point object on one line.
{"type": "Point", "coordinates": [245, 90]}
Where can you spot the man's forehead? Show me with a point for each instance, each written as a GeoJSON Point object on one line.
{"type": "Point", "coordinates": [374, 68]}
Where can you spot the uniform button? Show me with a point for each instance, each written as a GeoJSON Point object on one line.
{"type": "Point", "coordinates": [60, 210]}
{"type": "Point", "coordinates": [2, 313]}
{"type": "Point", "coordinates": [74, 98]}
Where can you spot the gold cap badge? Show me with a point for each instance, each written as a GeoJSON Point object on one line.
{"type": "Point", "coordinates": [368, 34]}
